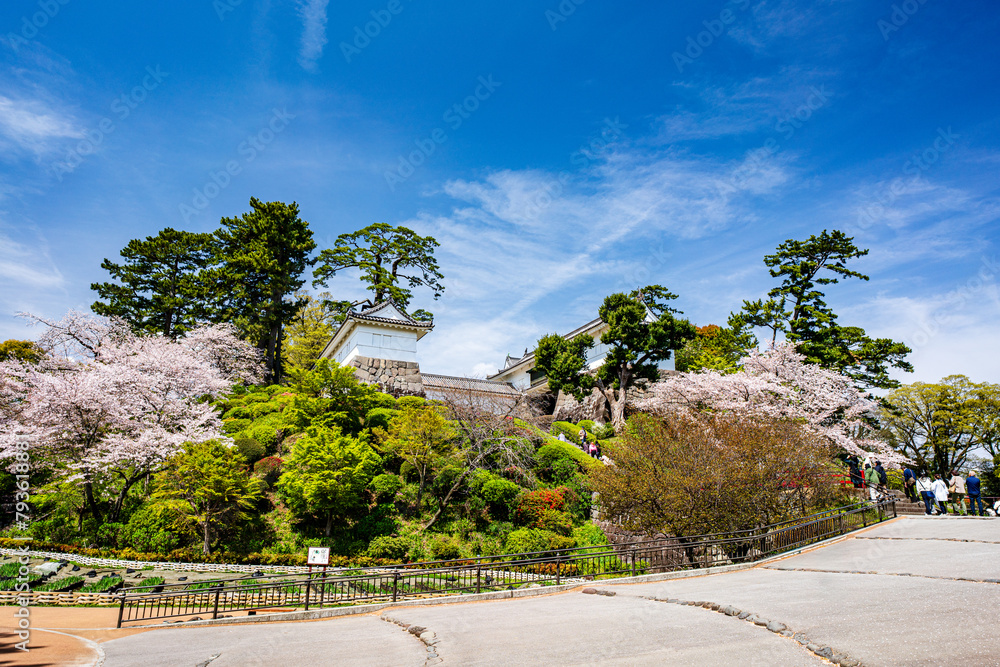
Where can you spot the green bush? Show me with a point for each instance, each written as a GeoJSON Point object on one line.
{"type": "Point", "coordinates": [588, 425]}
{"type": "Point", "coordinates": [149, 530]}
{"type": "Point", "coordinates": [445, 547]}
{"type": "Point", "coordinates": [232, 426]}
{"type": "Point", "coordinates": [501, 494]}
{"type": "Point", "coordinates": [239, 412]}
{"type": "Point", "coordinates": [558, 522]}
{"type": "Point", "coordinates": [265, 435]}
{"type": "Point", "coordinates": [605, 432]}
{"type": "Point", "coordinates": [380, 417]}
{"type": "Point", "coordinates": [385, 487]}
{"type": "Point", "coordinates": [258, 410]}
{"type": "Point", "coordinates": [410, 402]}
{"type": "Point", "coordinates": [571, 431]}
{"type": "Point", "coordinates": [380, 400]}
{"type": "Point", "coordinates": [251, 450]}
{"type": "Point", "coordinates": [268, 469]}
{"type": "Point", "coordinates": [530, 540]}
{"type": "Point", "coordinates": [392, 548]}
{"type": "Point", "coordinates": [589, 535]}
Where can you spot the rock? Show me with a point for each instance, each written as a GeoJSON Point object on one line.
{"type": "Point", "coordinates": [427, 637]}
{"type": "Point", "coordinates": [800, 638]}
{"type": "Point", "coordinates": [774, 626]}
{"type": "Point", "coordinates": [825, 652]}
{"type": "Point", "coordinates": [763, 622]}
{"type": "Point", "coordinates": [729, 610]}
{"type": "Point", "coordinates": [416, 630]}
{"type": "Point", "coordinates": [844, 660]}
{"type": "Point", "coordinates": [47, 569]}
{"type": "Point", "coordinates": [786, 633]}
{"type": "Point", "coordinates": [812, 647]}
{"type": "Point", "coordinates": [589, 591]}
{"type": "Point", "coordinates": [196, 618]}
{"type": "Point", "coordinates": [182, 578]}
{"type": "Point", "coordinates": [76, 568]}
{"type": "Point", "coordinates": [129, 570]}
{"type": "Point", "coordinates": [743, 615]}
{"type": "Point", "coordinates": [609, 594]}
{"type": "Point", "coordinates": [92, 573]}
{"type": "Point", "coordinates": [714, 606]}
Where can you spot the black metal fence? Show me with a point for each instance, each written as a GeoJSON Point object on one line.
{"type": "Point", "coordinates": [490, 573]}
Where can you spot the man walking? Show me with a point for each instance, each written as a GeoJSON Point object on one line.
{"type": "Point", "coordinates": [883, 478]}
{"type": "Point", "coordinates": [872, 480]}
{"type": "Point", "coordinates": [972, 486]}
{"type": "Point", "coordinates": [956, 485]}
{"type": "Point", "coordinates": [924, 489]}
{"type": "Point", "coordinates": [940, 490]}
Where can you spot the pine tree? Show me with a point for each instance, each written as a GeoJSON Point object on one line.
{"type": "Point", "coordinates": [160, 286]}
{"type": "Point", "coordinates": [261, 257]}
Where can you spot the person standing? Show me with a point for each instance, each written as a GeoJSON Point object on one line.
{"type": "Point", "coordinates": [883, 478]}
{"type": "Point", "coordinates": [972, 487]}
{"type": "Point", "coordinates": [909, 485]}
{"type": "Point", "coordinates": [956, 485]}
{"type": "Point", "coordinates": [854, 470]}
{"type": "Point", "coordinates": [924, 489]}
{"type": "Point", "coordinates": [872, 480]}
{"type": "Point", "coordinates": [940, 489]}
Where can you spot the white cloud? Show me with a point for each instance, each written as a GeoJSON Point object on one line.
{"type": "Point", "coordinates": [313, 15]}
{"type": "Point", "coordinates": [22, 266]}
{"type": "Point", "coordinates": [33, 126]}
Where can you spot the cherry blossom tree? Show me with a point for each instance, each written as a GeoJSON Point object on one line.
{"type": "Point", "coordinates": [778, 384]}
{"type": "Point", "coordinates": [106, 407]}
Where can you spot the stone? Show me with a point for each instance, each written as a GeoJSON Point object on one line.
{"type": "Point", "coordinates": [800, 638]}
{"type": "Point", "coordinates": [844, 660]}
{"type": "Point", "coordinates": [743, 615]}
{"type": "Point", "coordinates": [427, 636]}
{"type": "Point", "coordinates": [589, 591]}
{"type": "Point", "coordinates": [416, 630]}
{"type": "Point", "coordinates": [825, 652]}
{"type": "Point", "coordinates": [729, 610]}
{"type": "Point", "coordinates": [762, 622]}
{"type": "Point", "coordinates": [813, 647]}
{"type": "Point", "coordinates": [774, 626]}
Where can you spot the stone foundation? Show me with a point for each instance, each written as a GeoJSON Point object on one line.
{"type": "Point", "coordinates": [400, 378]}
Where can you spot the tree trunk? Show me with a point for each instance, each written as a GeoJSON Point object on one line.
{"type": "Point", "coordinates": [329, 522]}
{"type": "Point", "coordinates": [206, 546]}
{"type": "Point", "coordinates": [88, 490]}
{"type": "Point", "coordinates": [618, 412]}
{"type": "Point", "coordinates": [447, 498]}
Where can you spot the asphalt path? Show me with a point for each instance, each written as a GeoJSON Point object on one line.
{"type": "Point", "coordinates": [915, 591]}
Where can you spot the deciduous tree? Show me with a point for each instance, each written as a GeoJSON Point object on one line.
{"type": "Point", "coordinates": [423, 438]}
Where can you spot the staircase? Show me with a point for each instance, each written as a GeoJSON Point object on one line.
{"type": "Point", "coordinates": [904, 506]}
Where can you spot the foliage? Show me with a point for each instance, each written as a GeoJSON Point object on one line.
{"type": "Point", "coordinates": [268, 469]}
{"type": "Point", "coordinates": [404, 402]}
{"type": "Point", "coordinates": [778, 384]}
{"type": "Point", "coordinates": [571, 431]}
{"type": "Point", "coordinates": [388, 547]}
{"type": "Point", "coordinates": [162, 287]}
{"type": "Point", "coordinates": [386, 486]}
{"type": "Point", "coordinates": [103, 585]}
{"type": "Point", "coordinates": [21, 350]}
{"type": "Point", "coordinates": [386, 256]}
{"type": "Point", "coordinates": [308, 331]}
{"type": "Point", "coordinates": [533, 505]}
{"type": "Point", "coordinates": [62, 584]}
{"type": "Point", "coordinates": [717, 348]}
{"type": "Point", "coordinates": [251, 449]}
{"type": "Point", "coordinates": [445, 547]}
{"type": "Point", "coordinates": [805, 267]}
{"type": "Point", "coordinates": [327, 473]}
{"type": "Point", "coordinates": [423, 438]}
{"type": "Point", "coordinates": [501, 495]}
{"type": "Point", "coordinates": [261, 257]}
{"type": "Point", "coordinates": [207, 486]}
{"type": "Point", "coordinates": [697, 474]}
{"type": "Point", "coordinates": [380, 418]}
{"type": "Point", "coordinates": [939, 425]}
{"type": "Point", "coordinates": [151, 528]}
{"type": "Point", "coordinates": [642, 331]}
{"type": "Point", "coordinates": [533, 540]}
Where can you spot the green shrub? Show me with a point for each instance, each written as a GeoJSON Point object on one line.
{"type": "Point", "coordinates": [385, 487]}
{"type": "Point", "coordinates": [571, 431]}
{"type": "Point", "coordinates": [232, 426]}
{"type": "Point", "coordinates": [108, 535]}
{"type": "Point", "coordinates": [258, 410]}
{"type": "Point", "coordinates": [501, 494]}
{"type": "Point", "coordinates": [251, 450]}
{"type": "Point", "coordinates": [556, 521]}
{"type": "Point", "coordinates": [239, 412]}
{"type": "Point", "coordinates": [589, 535]}
{"type": "Point", "coordinates": [392, 548]}
{"type": "Point", "coordinates": [605, 432]}
{"type": "Point", "coordinates": [445, 547]}
{"type": "Point", "coordinates": [62, 584]}
{"type": "Point", "coordinates": [530, 540]}
{"type": "Point", "coordinates": [571, 451]}
{"type": "Point", "coordinates": [588, 425]}
{"type": "Point", "coordinates": [381, 400]}
{"type": "Point", "coordinates": [256, 397]}
{"type": "Point", "coordinates": [104, 585]}
{"type": "Point", "coordinates": [410, 402]}
{"type": "Point", "coordinates": [380, 417]}
{"type": "Point", "coordinates": [149, 530]}
{"type": "Point", "coordinates": [265, 435]}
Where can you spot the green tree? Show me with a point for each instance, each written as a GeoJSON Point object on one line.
{"type": "Point", "coordinates": [21, 350]}
{"type": "Point", "coordinates": [717, 348]}
{"type": "Point", "coordinates": [331, 395]}
{"type": "Point", "coordinates": [308, 332]}
{"type": "Point", "coordinates": [392, 261]}
{"type": "Point", "coordinates": [940, 425]}
{"type": "Point", "coordinates": [208, 486]}
{"type": "Point", "coordinates": [262, 255]}
{"type": "Point", "coordinates": [327, 474]}
{"type": "Point", "coordinates": [161, 286]}
{"type": "Point", "coordinates": [642, 332]}
{"type": "Point", "coordinates": [806, 267]}
{"type": "Point", "coordinates": [423, 438]}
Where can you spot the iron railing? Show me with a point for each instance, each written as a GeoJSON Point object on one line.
{"type": "Point", "coordinates": [490, 573]}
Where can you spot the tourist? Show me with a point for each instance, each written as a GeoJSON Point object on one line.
{"type": "Point", "coordinates": [593, 449]}
{"type": "Point", "coordinates": [924, 489]}
{"type": "Point", "coordinates": [583, 438]}
{"type": "Point", "coordinates": [956, 486]}
{"type": "Point", "coordinates": [562, 437]}
{"type": "Point", "coordinates": [972, 488]}
{"type": "Point", "coordinates": [909, 484]}
{"type": "Point", "coordinates": [940, 489]}
{"type": "Point", "coordinates": [883, 479]}
{"type": "Point", "coordinates": [871, 478]}
{"type": "Point", "coordinates": [855, 471]}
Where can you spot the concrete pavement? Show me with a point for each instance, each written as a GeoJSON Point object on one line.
{"type": "Point", "coordinates": [912, 592]}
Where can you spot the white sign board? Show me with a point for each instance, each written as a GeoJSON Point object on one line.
{"type": "Point", "coordinates": [318, 556]}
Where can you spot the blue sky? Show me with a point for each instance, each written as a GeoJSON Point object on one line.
{"type": "Point", "coordinates": [597, 147]}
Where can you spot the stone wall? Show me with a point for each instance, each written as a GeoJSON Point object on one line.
{"type": "Point", "coordinates": [401, 378]}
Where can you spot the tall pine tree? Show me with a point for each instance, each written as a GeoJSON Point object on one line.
{"type": "Point", "coordinates": [160, 286]}
{"type": "Point", "coordinates": [261, 257]}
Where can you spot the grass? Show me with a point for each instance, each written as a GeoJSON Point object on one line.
{"type": "Point", "coordinates": [102, 586]}
{"type": "Point", "coordinates": [58, 584]}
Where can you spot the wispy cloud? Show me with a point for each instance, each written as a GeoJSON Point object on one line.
{"type": "Point", "coordinates": [313, 14]}
{"type": "Point", "coordinates": [27, 266]}
{"type": "Point", "coordinates": [33, 126]}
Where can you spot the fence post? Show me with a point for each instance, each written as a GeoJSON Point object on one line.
{"type": "Point", "coordinates": [894, 515]}
{"type": "Point", "coordinates": [121, 610]}
{"type": "Point", "coordinates": [395, 585]}
{"type": "Point", "coordinates": [308, 586]}
{"type": "Point", "coordinates": [215, 607]}
{"type": "Point", "coordinates": [558, 564]}
{"type": "Point", "coordinates": [479, 570]}
{"type": "Point", "coordinates": [633, 562]}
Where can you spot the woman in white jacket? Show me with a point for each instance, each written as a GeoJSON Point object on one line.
{"type": "Point", "coordinates": [924, 489]}
{"type": "Point", "coordinates": [940, 489]}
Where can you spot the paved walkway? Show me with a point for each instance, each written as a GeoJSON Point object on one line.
{"type": "Point", "coordinates": [912, 592]}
